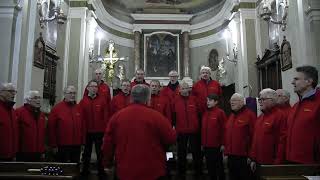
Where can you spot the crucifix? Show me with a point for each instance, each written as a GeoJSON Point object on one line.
{"type": "Point", "coordinates": [109, 62]}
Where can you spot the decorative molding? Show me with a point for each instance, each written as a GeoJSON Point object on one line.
{"type": "Point", "coordinates": [165, 17]}
{"type": "Point", "coordinates": [109, 20]}
{"type": "Point", "coordinates": [114, 31]}
{"type": "Point", "coordinates": [81, 4]}
{"type": "Point", "coordinates": [210, 32]}
{"type": "Point", "coordinates": [206, 40]}
{"type": "Point", "coordinates": [244, 5]}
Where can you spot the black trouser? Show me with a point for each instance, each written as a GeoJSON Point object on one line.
{"type": "Point", "coordinates": [238, 168]}
{"type": "Point", "coordinates": [195, 144]}
{"type": "Point", "coordinates": [29, 157]}
{"type": "Point", "coordinates": [214, 161]}
{"type": "Point", "coordinates": [69, 154]}
{"type": "Point", "coordinates": [91, 138]}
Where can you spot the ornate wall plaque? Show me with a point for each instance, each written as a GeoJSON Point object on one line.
{"type": "Point", "coordinates": [285, 55]}
{"type": "Point", "coordinates": [39, 52]}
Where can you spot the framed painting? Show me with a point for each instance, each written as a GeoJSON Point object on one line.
{"type": "Point", "coordinates": [285, 55]}
{"type": "Point", "coordinates": [39, 52]}
{"type": "Point", "coordinates": [161, 54]}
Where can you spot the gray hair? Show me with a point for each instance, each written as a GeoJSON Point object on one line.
{"type": "Point", "coordinates": [205, 68]}
{"type": "Point", "coordinates": [140, 93]}
{"type": "Point", "coordinates": [237, 95]}
{"type": "Point", "coordinates": [99, 70]}
{"type": "Point", "coordinates": [7, 86]}
{"type": "Point", "coordinates": [30, 95]}
{"type": "Point", "coordinates": [184, 84]}
{"type": "Point", "coordinates": [270, 93]}
{"type": "Point", "coordinates": [67, 89]}
{"type": "Point", "coordinates": [155, 81]}
{"type": "Point", "coordinates": [283, 92]}
{"type": "Point", "coordinates": [139, 70]}
{"type": "Point", "coordinates": [173, 73]}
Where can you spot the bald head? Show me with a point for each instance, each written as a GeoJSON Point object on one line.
{"type": "Point", "coordinates": [283, 96]}
{"type": "Point", "coordinates": [236, 102]}
{"type": "Point", "coordinates": [33, 98]}
{"type": "Point", "coordinates": [70, 94]}
{"type": "Point", "coordinates": [98, 75]}
{"type": "Point", "coordinates": [7, 92]}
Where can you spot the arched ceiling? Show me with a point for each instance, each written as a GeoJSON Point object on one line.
{"type": "Point", "coordinates": [121, 9]}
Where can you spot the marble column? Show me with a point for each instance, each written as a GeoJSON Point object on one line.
{"type": "Point", "coordinates": [10, 23]}
{"type": "Point", "coordinates": [313, 15]}
{"type": "Point", "coordinates": [186, 57]}
{"type": "Point", "coordinates": [75, 54]}
{"type": "Point", "coordinates": [247, 52]}
{"type": "Point", "coordinates": [137, 45]}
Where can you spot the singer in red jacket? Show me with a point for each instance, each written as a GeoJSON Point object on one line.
{"type": "Point", "coordinates": [212, 135]}
{"type": "Point", "coordinates": [139, 78]}
{"type": "Point", "coordinates": [172, 89]}
{"type": "Point", "coordinates": [283, 101]}
{"type": "Point", "coordinates": [96, 113]}
{"type": "Point", "coordinates": [122, 99]}
{"type": "Point", "coordinates": [268, 146]}
{"type": "Point", "coordinates": [138, 136]}
{"type": "Point", "coordinates": [9, 132]}
{"type": "Point", "coordinates": [238, 138]}
{"type": "Point", "coordinates": [66, 128]}
{"type": "Point", "coordinates": [186, 122]}
{"type": "Point", "coordinates": [158, 102]}
{"type": "Point", "coordinates": [204, 87]}
{"type": "Point", "coordinates": [103, 88]}
{"type": "Point", "coordinates": [303, 144]}
{"type": "Point", "coordinates": [31, 129]}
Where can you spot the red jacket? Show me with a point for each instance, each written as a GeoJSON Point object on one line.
{"type": "Point", "coordinates": [32, 130]}
{"type": "Point", "coordinates": [65, 125]}
{"type": "Point", "coordinates": [103, 89]}
{"type": "Point", "coordinates": [268, 146]}
{"type": "Point", "coordinates": [119, 101]}
{"type": "Point", "coordinates": [8, 131]}
{"type": "Point", "coordinates": [162, 105]}
{"type": "Point", "coordinates": [170, 94]}
{"type": "Point", "coordinates": [212, 129]}
{"type": "Point", "coordinates": [134, 82]}
{"type": "Point", "coordinates": [95, 113]}
{"type": "Point", "coordinates": [239, 132]}
{"type": "Point", "coordinates": [139, 135]}
{"type": "Point", "coordinates": [285, 108]}
{"type": "Point", "coordinates": [186, 111]}
{"type": "Point", "coordinates": [201, 90]}
{"type": "Point", "coordinates": [303, 142]}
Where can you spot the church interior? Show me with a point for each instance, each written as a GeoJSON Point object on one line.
{"type": "Point", "coordinates": [249, 45]}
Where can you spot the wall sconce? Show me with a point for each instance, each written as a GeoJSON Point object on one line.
{"type": "Point", "coordinates": [44, 11]}
{"type": "Point", "coordinates": [266, 12]}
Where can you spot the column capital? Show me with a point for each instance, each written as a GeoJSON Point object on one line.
{"type": "Point", "coordinates": [185, 29]}
{"type": "Point", "coordinates": [137, 27]}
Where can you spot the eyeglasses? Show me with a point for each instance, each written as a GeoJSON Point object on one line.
{"type": "Point", "coordinates": [10, 91]}
{"type": "Point", "coordinates": [263, 99]}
